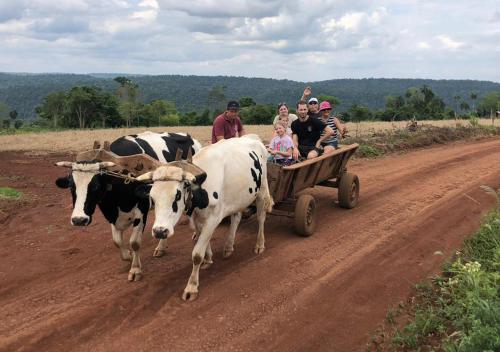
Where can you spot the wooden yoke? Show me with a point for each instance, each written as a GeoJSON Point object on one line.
{"type": "Point", "coordinates": [134, 164]}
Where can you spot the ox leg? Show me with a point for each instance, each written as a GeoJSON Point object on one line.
{"type": "Point", "coordinates": [160, 249]}
{"type": "Point", "coordinates": [195, 227]}
{"type": "Point", "coordinates": [264, 203]}
{"type": "Point", "coordinates": [118, 240]}
{"type": "Point", "coordinates": [229, 246]}
{"type": "Point", "coordinates": [135, 273]}
{"type": "Point", "coordinates": [207, 261]}
{"type": "Point", "coordinates": [199, 250]}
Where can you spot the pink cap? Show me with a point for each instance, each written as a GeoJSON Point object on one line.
{"type": "Point", "coordinates": [324, 105]}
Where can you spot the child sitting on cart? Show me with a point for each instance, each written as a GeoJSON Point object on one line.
{"type": "Point", "coordinates": [280, 146]}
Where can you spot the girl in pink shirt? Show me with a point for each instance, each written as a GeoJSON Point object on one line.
{"type": "Point", "coordinates": [280, 146]}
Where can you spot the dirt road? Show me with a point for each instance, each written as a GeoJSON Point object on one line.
{"type": "Point", "coordinates": [65, 289]}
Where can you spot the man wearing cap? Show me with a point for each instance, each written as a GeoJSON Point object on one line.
{"type": "Point", "coordinates": [228, 124]}
{"type": "Point", "coordinates": [312, 103]}
{"type": "Point", "coordinates": [308, 133]}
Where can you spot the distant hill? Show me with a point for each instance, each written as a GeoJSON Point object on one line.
{"type": "Point", "coordinates": [24, 92]}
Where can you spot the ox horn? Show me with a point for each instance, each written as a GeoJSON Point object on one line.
{"type": "Point", "coordinates": [106, 164]}
{"type": "Point", "coordinates": [64, 164]}
{"type": "Point", "coordinates": [188, 176]}
{"type": "Point", "coordinates": [190, 156]}
{"type": "Point", "coordinates": [178, 154]}
{"type": "Point", "coordinates": [145, 177]}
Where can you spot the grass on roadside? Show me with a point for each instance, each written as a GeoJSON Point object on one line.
{"type": "Point", "coordinates": [383, 142]}
{"type": "Point", "coordinates": [460, 310]}
{"type": "Point", "coordinates": [9, 193]}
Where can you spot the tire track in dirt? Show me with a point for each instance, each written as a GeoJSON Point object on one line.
{"type": "Point", "coordinates": [319, 293]}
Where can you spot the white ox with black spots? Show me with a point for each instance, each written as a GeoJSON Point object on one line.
{"type": "Point", "coordinates": [235, 178]}
{"type": "Point", "coordinates": [90, 186]}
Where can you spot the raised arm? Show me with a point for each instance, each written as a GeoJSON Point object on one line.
{"type": "Point", "coordinates": [306, 94]}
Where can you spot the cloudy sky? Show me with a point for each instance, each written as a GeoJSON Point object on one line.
{"type": "Point", "coordinates": [300, 40]}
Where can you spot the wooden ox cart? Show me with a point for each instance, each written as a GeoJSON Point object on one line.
{"type": "Point", "coordinates": [328, 170]}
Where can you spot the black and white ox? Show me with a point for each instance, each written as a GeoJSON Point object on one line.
{"type": "Point", "coordinates": [235, 177]}
{"type": "Point", "coordinates": [90, 186]}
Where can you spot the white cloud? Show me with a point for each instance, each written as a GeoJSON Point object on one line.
{"type": "Point", "coordinates": [294, 39]}
{"type": "Point", "coordinates": [449, 43]}
{"type": "Point", "coordinates": [423, 45]}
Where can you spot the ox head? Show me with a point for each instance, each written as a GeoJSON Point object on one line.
{"type": "Point", "coordinates": [171, 193]}
{"type": "Point", "coordinates": [87, 187]}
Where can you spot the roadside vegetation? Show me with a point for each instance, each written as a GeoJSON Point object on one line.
{"type": "Point", "coordinates": [379, 143]}
{"type": "Point", "coordinates": [458, 311]}
{"type": "Point", "coordinates": [9, 193]}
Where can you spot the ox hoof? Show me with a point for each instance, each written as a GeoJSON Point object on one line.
{"type": "Point", "coordinates": [135, 274]}
{"type": "Point", "coordinates": [227, 252]}
{"type": "Point", "coordinates": [259, 249]}
{"type": "Point", "coordinates": [158, 253]}
{"type": "Point", "coordinates": [189, 296]}
{"type": "Point", "coordinates": [206, 264]}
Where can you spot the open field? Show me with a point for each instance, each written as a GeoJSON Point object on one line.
{"type": "Point", "coordinates": [65, 288]}
{"type": "Point", "coordinates": [77, 140]}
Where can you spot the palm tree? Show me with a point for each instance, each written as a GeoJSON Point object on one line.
{"type": "Point", "coordinates": [457, 99]}
{"type": "Point", "coordinates": [473, 97]}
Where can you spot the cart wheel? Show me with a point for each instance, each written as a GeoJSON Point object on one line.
{"type": "Point", "coordinates": [348, 190]}
{"type": "Point", "coordinates": [305, 220]}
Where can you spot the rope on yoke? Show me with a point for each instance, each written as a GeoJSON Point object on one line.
{"type": "Point", "coordinates": [128, 177]}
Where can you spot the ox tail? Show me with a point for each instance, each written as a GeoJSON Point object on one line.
{"type": "Point", "coordinates": [269, 203]}
{"type": "Point", "coordinates": [268, 199]}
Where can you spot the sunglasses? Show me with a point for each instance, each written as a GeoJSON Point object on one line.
{"type": "Point", "coordinates": [233, 110]}
{"type": "Point", "coordinates": [313, 103]}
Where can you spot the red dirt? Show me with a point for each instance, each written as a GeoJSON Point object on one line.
{"type": "Point", "coordinates": [65, 289]}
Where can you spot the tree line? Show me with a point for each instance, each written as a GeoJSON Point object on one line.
{"type": "Point", "coordinates": [24, 92]}
{"type": "Point", "coordinates": [93, 107]}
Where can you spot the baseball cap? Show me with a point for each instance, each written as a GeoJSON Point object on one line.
{"type": "Point", "coordinates": [312, 100]}
{"type": "Point", "coordinates": [233, 104]}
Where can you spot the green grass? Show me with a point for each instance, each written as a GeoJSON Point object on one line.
{"type": "Point", "coordinates": [460, 311]}
{"type": "Point", "coordinates": [9, 193]}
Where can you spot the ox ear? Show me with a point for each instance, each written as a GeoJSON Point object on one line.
{"type": "Point", "coordinates": [62, 182]}
{"type": "Point", "coordinates": [106, 164]}
{"type": "Point", "coordinates": [64, 164]}
{"type": "Point", "coordinates": [142, 191]}
{"type": "Point", "coordinates": [148, 176]}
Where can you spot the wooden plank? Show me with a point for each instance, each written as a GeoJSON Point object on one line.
{"type": "Point", "coordinates": [339, 151]}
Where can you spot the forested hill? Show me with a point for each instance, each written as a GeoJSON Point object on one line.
{"type": "Point", "coordinates": [23, 92]}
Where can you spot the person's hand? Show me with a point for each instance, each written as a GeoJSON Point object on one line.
{"type": "Point", "coordinates": [295, 153]}
{"type": "Point", "coordinates": [318, 145]}
{"type": "Point", "coordinates": [307, 91]}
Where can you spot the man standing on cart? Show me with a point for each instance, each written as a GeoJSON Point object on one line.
{"type": "Point", "coordinates": [307, 134]}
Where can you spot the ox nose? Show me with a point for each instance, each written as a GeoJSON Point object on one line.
{"type": "Point", "coordinates": [80, 221]}
{"type": "Point", "coordinates": [160, 232]}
